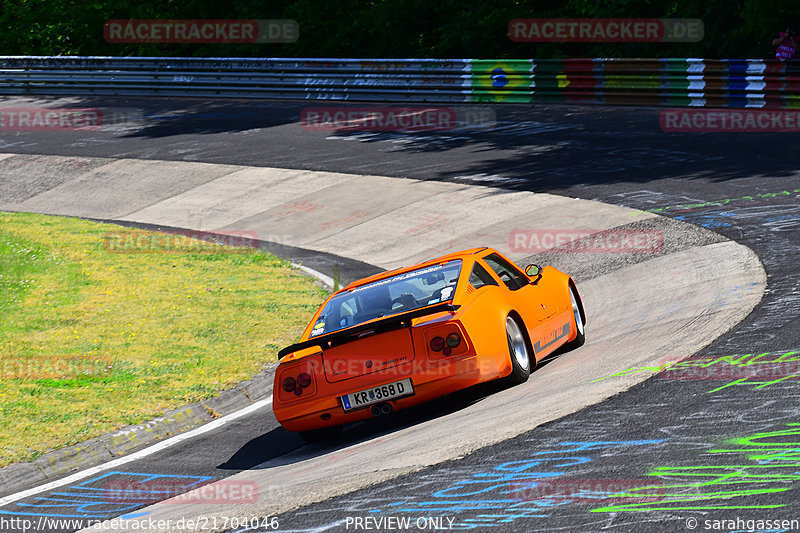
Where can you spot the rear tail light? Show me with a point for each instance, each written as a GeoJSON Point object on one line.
{"type": "Point", "coordinates": [296, 385]}
{"type": "Point", "coordinates": [437, 344]}
{"type": "Point", "coordinates": [289, 384]}
{"type": "Point", "coordinates": [298, 380]}
{"type": "Point", "coordinates": [304, 380]}
{"type": "Point", "coordinates": [447, 339]}
{"type": "Point", "coordinates": [453, 340]}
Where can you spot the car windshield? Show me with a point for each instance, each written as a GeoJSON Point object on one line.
{"type": "Point", "coordinates": [390, 296]}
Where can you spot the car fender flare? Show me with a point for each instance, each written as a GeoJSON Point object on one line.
{"type": "Point", "coordinates": [524, 327]}
{"type": "Point", "coordinates": [571, 285]}
{"type": "Point", "coordinates": [567, 281]}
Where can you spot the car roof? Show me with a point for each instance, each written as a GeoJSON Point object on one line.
{"type": "Point", "coordinates": [463, 254]}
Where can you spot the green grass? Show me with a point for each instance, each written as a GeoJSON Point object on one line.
{"type": "Point", "coordinates": [92, 340]}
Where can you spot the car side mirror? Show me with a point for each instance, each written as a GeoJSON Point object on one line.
{"type": "Point", "coordinates": [534, 272]}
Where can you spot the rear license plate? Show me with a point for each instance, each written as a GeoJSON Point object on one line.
{"type": "Point", "coordinates": [381, 393]}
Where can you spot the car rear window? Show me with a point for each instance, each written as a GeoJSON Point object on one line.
{"type": "Point", "coordinates": [387, 297]}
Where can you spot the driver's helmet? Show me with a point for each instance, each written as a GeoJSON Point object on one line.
{"type": "Point", "coordinates": [377, 299]}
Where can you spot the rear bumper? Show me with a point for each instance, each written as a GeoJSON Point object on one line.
{"type": "Point", "coordinates": [461, 374]}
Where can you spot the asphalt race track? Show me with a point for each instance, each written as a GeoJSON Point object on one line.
{"type": "Point", "coordinates": [716, 441]}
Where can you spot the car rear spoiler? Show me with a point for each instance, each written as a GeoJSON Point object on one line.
{"type": "Point", "coordinates": [336, 338]}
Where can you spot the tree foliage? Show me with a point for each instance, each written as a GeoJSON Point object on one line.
{"type": "Point", "coordinates": [393, 28]}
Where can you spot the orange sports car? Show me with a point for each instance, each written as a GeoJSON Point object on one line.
{"type": "Point", "coordinates": [409, 335]}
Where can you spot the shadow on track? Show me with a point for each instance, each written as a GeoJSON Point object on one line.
{"type": "Point", "coordinates": [528, 147]}
{"type": "Point", "coordinates": [274, 448]}
{"type": "Point", "coordinates": [555, 148]}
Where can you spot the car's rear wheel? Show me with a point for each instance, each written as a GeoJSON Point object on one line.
{"type": "Point", "coordinates": [579, 325]}
{"type": "Point", "coordinates": [518, 351]}
{"type": "Point", "coordinates": [313, 436]}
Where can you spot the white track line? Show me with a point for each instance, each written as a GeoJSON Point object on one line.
{"type": "Point", "coordinates": [327, 280]}
{"type": "Point", "coordinates": [138, 455]}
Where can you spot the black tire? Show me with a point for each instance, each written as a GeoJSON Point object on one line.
{"type": "Point", "coordinates": [518, 352]}
{"type": "Point", "coordinates": [577, 305]}
{"type": "Point", "coordinates": [314, 436]}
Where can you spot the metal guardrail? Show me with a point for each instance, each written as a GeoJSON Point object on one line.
{"type": "Point", "coordinates": [670, 82]}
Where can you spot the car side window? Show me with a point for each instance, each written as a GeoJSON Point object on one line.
{"type": "Point", "coordinates": [480, 277]}
{"type": "Point", "coordinates": [508, 273]}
